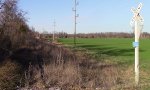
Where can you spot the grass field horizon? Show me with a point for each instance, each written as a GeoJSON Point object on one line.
{"type": "Point", "coordinates": [119, 48]}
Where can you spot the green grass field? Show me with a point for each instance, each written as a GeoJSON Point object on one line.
{"type": "Point", "coordinates": [119, 49]}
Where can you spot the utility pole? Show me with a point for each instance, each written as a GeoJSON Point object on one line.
{"type": "Point", "coordinates": [75, 20]}
{"type": "Point", "coordinates": [137, 24]}
{"type": "Point", "coordinates": [54, 25]}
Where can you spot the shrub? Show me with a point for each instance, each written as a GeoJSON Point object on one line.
{"type": "Point", "coordinates": [10, 75]}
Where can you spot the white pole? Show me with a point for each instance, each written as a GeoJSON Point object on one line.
{"type": "Point", "coordinates": [136, 54]}
{"type": "Point", "coordinates": [138, 21]}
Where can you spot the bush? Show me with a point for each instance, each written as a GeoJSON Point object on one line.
{"type": "Point", "coordinates": [9, 75]}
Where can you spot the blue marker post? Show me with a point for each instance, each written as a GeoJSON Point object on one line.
{"type": "Point", "coordinates": [135, 44]}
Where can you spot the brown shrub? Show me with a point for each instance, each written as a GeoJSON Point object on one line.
{"type": "Point", "coordinates": [72, 76]}
{"type": "Point", "coordinates": [9, 75]}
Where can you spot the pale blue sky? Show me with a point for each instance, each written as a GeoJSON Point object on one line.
{"type": "Point", "coordinates": [94, 15]}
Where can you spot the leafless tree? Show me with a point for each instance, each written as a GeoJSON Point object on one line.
{"type": "Point", "coordinates": [12, 22]}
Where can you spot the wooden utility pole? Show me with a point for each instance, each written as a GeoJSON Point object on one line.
{"type": "Point", "coordinates": [75, 20]}
{"type": "Point", "coordinates": [137, 24]}
{"type": "Point", "coordinates": [54, 25]}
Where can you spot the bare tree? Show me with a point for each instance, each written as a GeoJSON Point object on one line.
{"type": "Point", "coordinates": [12, 22]}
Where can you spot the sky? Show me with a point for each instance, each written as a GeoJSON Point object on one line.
{"type": "Point", "coordinates": [94, 15]}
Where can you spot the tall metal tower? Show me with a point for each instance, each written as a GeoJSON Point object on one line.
{"type": "Point", "coordinates": [75, 19]}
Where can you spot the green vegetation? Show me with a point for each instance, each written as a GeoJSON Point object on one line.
{"type": "Point", "coordinates": [114, 47]}
{"type": "Point", "coordinates": [118, 49]}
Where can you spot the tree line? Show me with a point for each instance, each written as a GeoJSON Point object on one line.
{"type": "Point", "coordinates": [95, 35]}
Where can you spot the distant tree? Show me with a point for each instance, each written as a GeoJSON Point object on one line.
{"type": "Point", "coordinates": [45, 32]}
